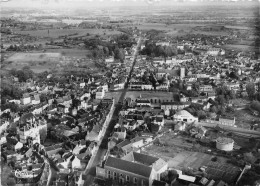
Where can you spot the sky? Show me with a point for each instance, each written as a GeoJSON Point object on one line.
{"type": "Point", "coordinates": [93, 3]}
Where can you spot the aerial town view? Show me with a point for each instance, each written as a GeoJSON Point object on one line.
{"type": "Point", "coordinates": [130, 92]}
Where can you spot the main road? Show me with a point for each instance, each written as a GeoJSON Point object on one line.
{"type": "Point", "coordinates": [100, 151]}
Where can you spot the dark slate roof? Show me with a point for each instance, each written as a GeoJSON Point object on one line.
{"type": "Point", "coordinates": [142, 101]}
{"type": "Point", "coordinates": [144, 159]}
{"type": "Point", "coordinates": [123, 143]}
{"type": "Point", "coordinates": [159, 183]}
{"type": "Point", "coordinates": [127, 166]}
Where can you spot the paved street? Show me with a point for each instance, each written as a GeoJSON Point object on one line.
{"type": "Point", "coordinates": [100, 152]}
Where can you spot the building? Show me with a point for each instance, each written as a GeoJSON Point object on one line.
{"type": "Point", "coordinates": [118, 86]}
{"type": "Point", "coordinates": [134, 168]}
{"type": "Point", "coordinates": [121, 132]}
{"type": "Point", "coordinates": [4, 125]}
{"type": "Point", "coordinates": [109, 60]}
{"type": "Point", "coordinates": [225, 144]}
{"type": "Point", "coordinates": [227, 121]}
{"type": "Point", "coordinates": [174, 105]}
{"type": "Point", "coordinates": [31, 128]}
{"type": "Point", "coordinates": [213, 51]}
{"type": "Point", "coordinates": [100, 94]}
{"type": "Point", "coordinates": [158, 120]}
{"type": "Point", "coordinates": [185, 116]}
{"type": "Point", "coordinates": [205, 88]}
{"type": "Point", "coordinates": [35, 99]}
{"type": "Point", "coordinates": [26, 99]}
{"type": "Point", "coordinates": [180, 126]}
{"type": "Point", "coordinates": [233, 86]}
{"type": "Point", "coordinates": [163, 43]}
{"type": "Point", "coordinates": [182, 72]}
{"type": "Point", "coordinates": [140, 102]}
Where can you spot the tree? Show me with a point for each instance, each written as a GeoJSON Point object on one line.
{"type": "Point", "coordinates": [232, 94]}
{"type": "Point", "coordinates": [13, 72]}
{"type": "Point", "coordinates": [213, 109]}
{"type": "Point", "coordinates": [233, 75]}
{"type": "Point", "coordinates": [230, 109]}
{"type": "Point", "coordinates": [201, 114]}
{"type": "Point", "coordinates": [43, 97]}
{"type": "Point", "coordinates": [250, 89]}
{"type": "Point", "coordinates": [12, 106]}
{"type": "Point", "coordinates": [221, 99]}
{"type": "Point", "coordinates": [119, 54]}
{"type": "Point", "coordinates": [106, 51]}
{"type": "Point", "coordinates": [98, 53]}
{"type": "Point", "coordinates": [257, 96]}
{"type": "Point", "coordinates": [256, 105]}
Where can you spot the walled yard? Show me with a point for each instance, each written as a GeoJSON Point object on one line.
{"type": "Point", "coordinates": [150, 95]}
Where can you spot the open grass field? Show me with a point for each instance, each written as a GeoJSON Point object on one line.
{"type": "Point", "coordinates": [240, 27]}
{"type": "Point", "coordinates": [38, 62]}
{"type": "Point", "coordinates": [34, 57]}
{"type": "Point", "coordinates": [55, 33]}
{"type": "Point", "coordinates": [244, 118]}
{"type": "Point", "coordinates": [69, 52]}
{"type": "Point", "coordinates": [211, 33]}
{"type": "Point", "coordinates": [42, 61]}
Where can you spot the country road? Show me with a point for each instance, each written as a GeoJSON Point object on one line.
{"type": "Point", "coordinates": [100, 152]}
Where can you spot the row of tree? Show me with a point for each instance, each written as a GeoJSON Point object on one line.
{"type": "Point", "coordinates": [100, 50]}
{"type": "Point", "coordinates": [19, 48]}
{"type": "Point", "coordinates": [23, 75]}
{"type": "Point", "coordinates": [156, 51]}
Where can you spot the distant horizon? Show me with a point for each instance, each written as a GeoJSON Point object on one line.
{"type": "Point", "coordinates": [74, 4]}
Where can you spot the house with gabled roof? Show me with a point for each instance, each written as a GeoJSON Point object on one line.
{"type": "Point", "coordinates": [26, 99]}
{"type": "Point", "coordinates": [95, 134]}
{"type": "Point", "coordinates": [185, 116]}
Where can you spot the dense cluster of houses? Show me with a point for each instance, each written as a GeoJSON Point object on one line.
{"type": "Point", "coordinates": [67, 122]}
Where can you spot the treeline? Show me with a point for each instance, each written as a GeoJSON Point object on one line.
{"type": "Point", "coordinates": [9, 91]}
{"type": "Point", "coordinates": [23, 75]}
{"type": "Point", "coordinates": [157, 51]}
{"type": "Point", "coordinates": [20, 48]}
{"type": "Point", "coordinates": [100, 49]}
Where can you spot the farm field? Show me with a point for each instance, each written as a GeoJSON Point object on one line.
{"type": "Point", "coordinates": [42, 61]}
{"type": "Point", "coordinates": [240, 27]}
{"type": "Point", "coordinates": [38, 62]}
{"type": "Point", "coordinates": [238, 47]}
{"type": "Point", "coordinates": [164, 27]}
{"type": "Point", "coordinates": [55, 33]}
{"type": "Point", "coordinates": [211, 33]}
{"type": "Point", "coordinates": [69, 52]}
{"type": "Point", "coordinates": [37, 56]}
